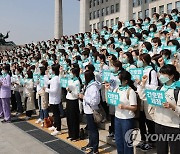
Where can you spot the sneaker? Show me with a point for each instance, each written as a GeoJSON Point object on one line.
{"type": "Point", "coordinates": [55, 132]}
{"type": "Point", "coordinates": [146, 147]}
{"type": "Point", "coordinates": [140, 144]}
{"type": "Point", "coordinates": [113, 140]}
{"type": "Point", "coordinates": [42, 125]}
{"type": "Point", "coordinates": [87, 147]}
{"type": "Point", "coordinates": [6, 121]}
{"type": "Point", "coordinates": [52, 128]}
{"type": "Point", "coordinates": [27, 118]}
{"type": "Point", "coordinates": [39, 121]}
{"type": "Point", "coordinates": [111, 135]}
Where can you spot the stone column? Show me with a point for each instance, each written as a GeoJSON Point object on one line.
{"type": "Point", "coordinates": [126, 10]}
{"type": "Point", "coordinates": [84, 16]}
{"type": "Point", "coordinates": [58, 24]}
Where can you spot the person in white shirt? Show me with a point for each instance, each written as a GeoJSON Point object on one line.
{"type": "Point", "coordinates": [91, 100]}
{"type": "Point", "coordinates": [147, 111]}
{"type": "Point", "coordinates": [42, 95]}
{"type": "Point", "coordinates": [55, 99]}
{"type": "Point", "coordinates": [72, 105]}
{"type": "Point", "coordinates": [167, 121]}
{"type": "Point", "coordinates": [124, 112]}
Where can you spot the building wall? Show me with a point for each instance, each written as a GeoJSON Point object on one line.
{"type": "Point", "coordinates": [126, 11]}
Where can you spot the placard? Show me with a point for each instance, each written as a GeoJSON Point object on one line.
{"type": "Point", "coordinates": [106, 75]}
{"type": "Point", "coordinates": [113, 98]}
{"type": "Point", "coordinates": [64, 82]}
{"type": "Point", "coordinates": [136, 73]}
{"type": "Point", "coordinates": [155, 97]}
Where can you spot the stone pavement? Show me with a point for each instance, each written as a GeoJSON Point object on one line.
{"type": "Point", "coordinates": [15, 141]}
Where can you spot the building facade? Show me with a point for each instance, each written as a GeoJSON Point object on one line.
{"type": "Point", "coordinates": [94, 14]}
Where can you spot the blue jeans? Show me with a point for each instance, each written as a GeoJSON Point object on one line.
{"type": "Point", "coordinates": [121, 127]}
{"type": "Point", "coordinates": [43, 113]}
{"type": "Point", "coordinates": [93, 132]}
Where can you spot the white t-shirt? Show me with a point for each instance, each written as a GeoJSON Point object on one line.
{"type": "Point", "coordinates": [122, 113]}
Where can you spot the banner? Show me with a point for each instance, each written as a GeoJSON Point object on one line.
{"type": "Point", "coordinates": [106, 75]}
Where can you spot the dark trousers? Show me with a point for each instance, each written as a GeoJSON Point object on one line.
{"type": "Point", "coordinates": [106, 108]}
{"type": "Point", "coordinates": [13, 102]}
{"type": "Point", "coordinates": [122, 126]}
{"type": "Point", "coordinates": [19, 102]}
{"type": "Point", "coordinates": [162, 146]}
{"type": "Point", "coordinates": [143, 122]}
{"type": "Point", "coordinates": [56, 114]}
{"type": "Point", "coordinates": [111, 128]}
{"type": "Point", "coordinates": [72, 110]}
{"type": "Point", "coordinates": [93, 132]}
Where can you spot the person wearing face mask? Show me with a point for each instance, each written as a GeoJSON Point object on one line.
{"type": "Point", "coordinates": [124, 112]}
{"type": "Point", "coordinates": [5, 94]}
{"type": "Point", "coordinates": [85, 58]}
{"type": "Point", "coordinates": [128, 62]}
{"type": "Point", "coordinates": [72, 106]}
{"type": "Point", "coordinates": [17, 83]}
{"type": "Point", "coordinates": [29, 95]}
{"type": "Point", "coordinates": [147, 111]}
{"type": "Point", "coordinates": [156, 46]}
{"type": "Point", "coordinates": [55, 99]}
{"type": "Point", "coordinates": [113, 84]}
{"type": "Point", "coordinates": [42, 95]}
{"type": "Point", "coordinates": [171, 28]}
{"type": "Point", "coordinates": [146, 47]}
{"type": "Point", "coordinates": [167, 119]}
{"type": "Point", "coordinates": [166, 55]}
{"type": "Point", "coordinates": [126, 44]}
{"type": "Point", "coordinates": [152, 30]}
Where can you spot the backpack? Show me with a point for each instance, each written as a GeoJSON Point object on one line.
{"type": "Point", "coordinates": [137, 112]}
{"type": "Point", "coordinates": [159, 83]}
{"type": "Point", "coordinates": [176, 92]}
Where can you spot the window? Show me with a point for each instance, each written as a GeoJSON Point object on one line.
{"type": "Point", "coordinates": [161, 9]}
{"type": "Point", "coordinates": [134, 16]}
{"type": "Point", "coordinates": [140, 14]}
{"type": "Point", "coordinates": [94, 26]}
{"type": "Point", "coordinates": [102, 1]}
{"type": "Point", "coordinates": [90, 16]}
{"type": "Point", "coordinates": [117, 19]}
{"type": "Point", "coordinates": [112, 8]}
{"type": "Point", "coordinates": [98, 25]}
{"type": "Point", "coordinates": [153, 10]}
{"type": "Point", "coordinates": [90, 4]}
{"type": "Point", "coordinates": [102, 24]}
{"type": "Point", "coordinates": [117, 7]}
{"type": "Point", "coordinates": [107, 23]}
{"type": "Point", "coordinates": [177, 5]}
{"type": "Point", "coordinates": [106, 0]}
{"type": "Point", "coordinates": [90, 27]}
{"type": "Point", "coordinates": [107, 10]}
{"type": "Point", "coordinates": [134, 3]}
{"type": "Point", "coordinates": [98, 13]}
{"type": "Point", "coordinates": [139, 2]}
{"type": "Point", "coordinates": [112, 22]}
{"type": "Point", "coordinates": [97, 2]}
{"type": "Point", "coordinates": [146, 1]}
{"type": "Point", "coordinates": [102, 12]}
{"type": "Point", "coordinates": [147, 13]}
{"type": "Point", "coordinates": [94, 15]}
{"type": "Point", "coordinates": [94, 3]}
{"type": "Point", "coordinates": [169, 8]}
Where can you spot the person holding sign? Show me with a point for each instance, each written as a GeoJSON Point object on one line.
{"type": "Point", "coordinates": [167, 119]}
{"type": "Point", "coordinates": [124, 112]}
{"type": "Point", "coordinates": [42, 95]}
{"type": "Point", "coordinates": [55, 99]}
{"type": "Point", "coordinates": [72, 105]}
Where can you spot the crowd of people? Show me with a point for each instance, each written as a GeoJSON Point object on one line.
{"type": "Point", "coordinates": [72, 69]}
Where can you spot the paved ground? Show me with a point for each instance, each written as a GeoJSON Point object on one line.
{"type": "Point", "coordinates": [15, 141]}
